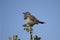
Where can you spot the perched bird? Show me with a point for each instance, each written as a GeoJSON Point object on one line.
{"type": "Point", "coordinates": [30, 19]}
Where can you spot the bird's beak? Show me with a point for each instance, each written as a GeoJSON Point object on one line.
{"type": "Point", "coordinates": [23, 13]}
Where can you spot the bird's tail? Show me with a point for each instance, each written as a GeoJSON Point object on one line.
{"type": "Point", "coordinates": [41, 22]}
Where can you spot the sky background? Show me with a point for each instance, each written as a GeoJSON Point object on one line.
{"type": "Point", "coordinates": [12, 19]}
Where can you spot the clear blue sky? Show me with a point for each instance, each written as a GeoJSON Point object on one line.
{"type": "Point", "coordinates": [45, 10]}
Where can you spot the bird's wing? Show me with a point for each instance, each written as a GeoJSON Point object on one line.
{"type": "Point", "coordinates": [34, 19]}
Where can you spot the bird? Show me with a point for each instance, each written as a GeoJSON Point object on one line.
{"type": "Point", "coordinates": [30, 19]}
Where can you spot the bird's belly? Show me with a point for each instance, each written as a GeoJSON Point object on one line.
{"type": "Point", "coordinates": [27, 20]}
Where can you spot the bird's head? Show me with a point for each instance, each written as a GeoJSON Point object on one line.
{"type": "Point", "coordinates": [26, 13]}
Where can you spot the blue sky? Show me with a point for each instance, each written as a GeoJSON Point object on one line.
{"type": "Point", "coordinates": [44, 10]}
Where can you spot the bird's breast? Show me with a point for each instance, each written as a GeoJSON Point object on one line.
{"type": "Point", "coordinates": [28, 20]}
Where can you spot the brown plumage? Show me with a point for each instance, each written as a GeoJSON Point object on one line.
{"type": "Point", "coordinates": [30, 19]}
